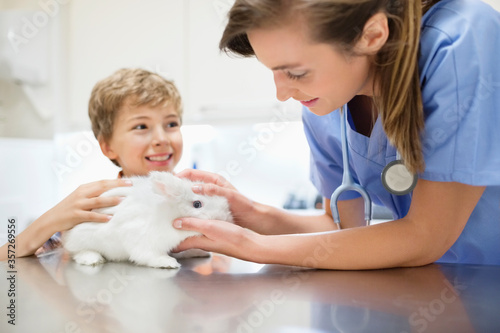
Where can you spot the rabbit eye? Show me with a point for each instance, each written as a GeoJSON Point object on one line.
{"type": "Point", "coordinates": [197, 204]}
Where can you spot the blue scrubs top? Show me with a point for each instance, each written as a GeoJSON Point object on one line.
{"type": "Point", "coordinates": [460, 83]}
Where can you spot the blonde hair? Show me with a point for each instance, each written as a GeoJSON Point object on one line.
{"type": "Point", "coordinates": [341, 23]}
{"type": "Point", "coordinates": [136, 87]}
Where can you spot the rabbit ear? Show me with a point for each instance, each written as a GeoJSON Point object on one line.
{"type": "Point", "coordinates": [166, 184]}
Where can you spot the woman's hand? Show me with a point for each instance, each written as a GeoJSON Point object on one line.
{"type": "Point", "coordinates": [221, 237]}
{"type": "Point", "coordinates": [245, 212]}
{"type": "Point", "coordinates": [263, 219]}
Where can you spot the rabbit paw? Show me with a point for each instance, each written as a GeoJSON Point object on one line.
{"type": "Point", "coordinates": [163, 262]}
{"type": "Point", "coordinates": [90, 258]}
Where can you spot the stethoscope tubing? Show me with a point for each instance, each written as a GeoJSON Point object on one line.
{"type": "Point", "coordinates": [348, 183]}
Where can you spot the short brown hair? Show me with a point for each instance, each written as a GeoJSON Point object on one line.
{"type": "Point", "coordinates": [132, 85]}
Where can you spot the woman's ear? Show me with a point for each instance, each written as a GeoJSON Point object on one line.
{"type": "Point", "coordinates": [374, 36]}
{"type": "Point", "coordinates": [106, 148]}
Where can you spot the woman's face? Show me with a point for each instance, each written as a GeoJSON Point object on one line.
{"type": "Point", "coordinates": [318, 75]}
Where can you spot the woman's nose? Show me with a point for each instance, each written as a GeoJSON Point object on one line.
{"type": "Point", "coordinates": [283, 90]}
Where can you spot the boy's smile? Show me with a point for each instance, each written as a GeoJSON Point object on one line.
{"type": "Point", "coordinates": [145, 139]}
{"type": "Point", "coordinates": [159, 158]}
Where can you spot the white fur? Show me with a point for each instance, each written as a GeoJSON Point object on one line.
{"type": "Point", "coordinates": [141, 228]}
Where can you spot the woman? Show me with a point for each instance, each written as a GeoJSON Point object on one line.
{"type": "Point", "coordinates": [424, 86]}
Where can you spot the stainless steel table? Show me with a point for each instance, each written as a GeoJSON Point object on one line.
{"type": "Point", "coordinates": [221, 294]}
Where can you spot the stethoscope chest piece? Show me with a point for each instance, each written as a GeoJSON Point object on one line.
{"type": "Point", "coordinates": [397, 179]}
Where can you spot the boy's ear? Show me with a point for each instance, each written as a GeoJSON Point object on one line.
{"type": "Point", "coordinates": [374, 36]}
{"type": "Point", "coordinates": [106, 149]}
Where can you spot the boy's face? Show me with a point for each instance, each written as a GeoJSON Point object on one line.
{"type": "Point", "coordinates": [145, 139]}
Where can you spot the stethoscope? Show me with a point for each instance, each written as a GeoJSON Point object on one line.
{"type": "Point", "coordinates": [396, 178]}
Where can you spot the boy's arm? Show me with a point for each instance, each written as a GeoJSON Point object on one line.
{"type": "Point", "coordinates": [74, 209]}
{"type": "Point", "coordinates": [29, 240]}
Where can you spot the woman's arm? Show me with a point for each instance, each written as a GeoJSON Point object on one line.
{"type": "Point", "coordinates": [438, 214]}
{"type": "Point", "coordinates": [282, 222]}
{"type": "Point", "coordinates": [74, 209]}
{"type": "Point", "coordinates": [269, 220]}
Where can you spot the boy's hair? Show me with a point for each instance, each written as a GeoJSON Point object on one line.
{"type": "Point", "coordinates": [136, 87]}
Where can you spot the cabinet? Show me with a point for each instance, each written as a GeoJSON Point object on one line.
{"type": "Point", "coordinates": [179, 40]}
{"type": "Point", "coordinates": [104, 36]}
{"type": "Point", "coordinates": [220, 86]}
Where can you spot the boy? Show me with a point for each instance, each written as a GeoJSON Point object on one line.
{"type": "Point", "coordinates": [136, 117]}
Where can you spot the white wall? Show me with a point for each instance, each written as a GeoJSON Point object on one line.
{"type": "Point", "coordinates": [177, 39]}
{"type": "Point", "coordinates": [220, 85]}
{"type": "Point", "coordinates": [26, 182]}
{"type": "Point", "coordinates": [494, 3]}
{"type": "Point", "coordinates": [265, 161]}
{"type": "Point", "coordinates": [108, 35]}
{"type": "Point", "coordinates": [29, 110]}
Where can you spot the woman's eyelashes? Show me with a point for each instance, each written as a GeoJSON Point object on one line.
{"type": "Point", "coordinates": [295, 75]}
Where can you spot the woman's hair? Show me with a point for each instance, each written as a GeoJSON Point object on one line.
{"type": "Point", "coordinates": [132, 86]}
{"type": "Point", "coordinates": [341, 23]}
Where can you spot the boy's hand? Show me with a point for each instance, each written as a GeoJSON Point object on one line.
{"type": "Point", "coordinates": [77, 207]}
{"type": "Point", "coordinates": [74, 209]}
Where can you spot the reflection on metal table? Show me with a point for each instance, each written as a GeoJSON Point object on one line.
{"type": "Point", "coordinates": [222, 294]}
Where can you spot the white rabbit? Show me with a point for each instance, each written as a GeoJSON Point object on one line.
{"type": "Point", "coordinates": [141, 228]}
